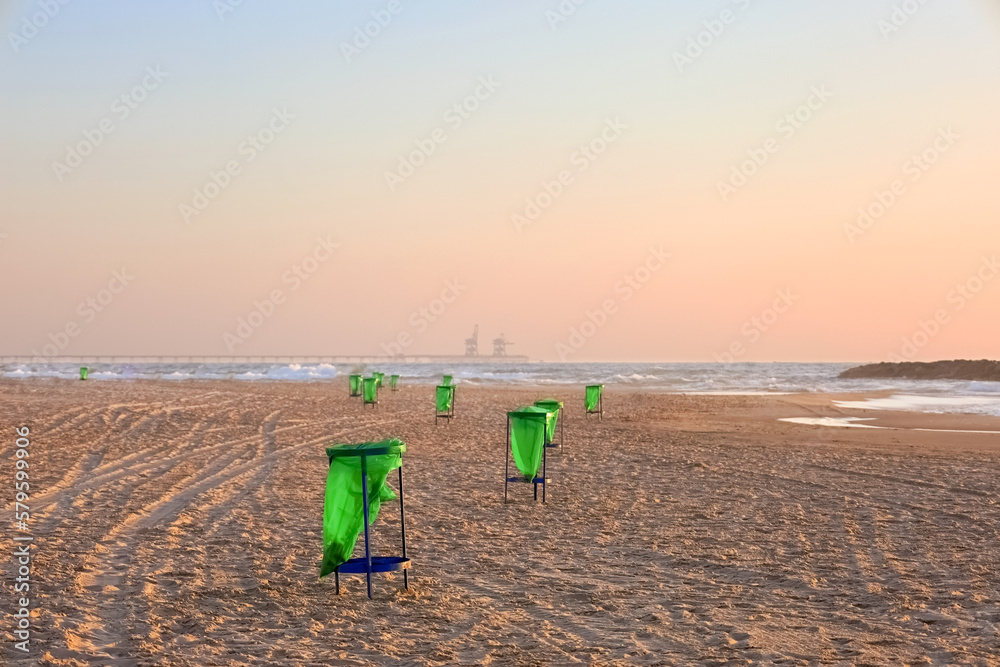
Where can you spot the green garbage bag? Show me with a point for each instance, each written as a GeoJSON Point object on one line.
{"type": "Point", "coordinates": [446, 380]}
{"type": "Point", "coordinates": [527, 438]}
{"type": "Point", "coordinates": [379, 378]}
{"type": "Point", "coordinates": [83, 372]}
{"type": "Point", "coordinates": [444, 398]}
{"type": "Point", "coordinates": [355, 385]}
{"type": "Point", "coordinates": [370, 390]}
{"type": "Point", "coordinates": [555, 407]}
{"type": "Point", "coordinates": [393, 381]}
{"type": "Point", "coordinates": [594, 396]}
{"type": "Point", "coordinates": [343, 510]}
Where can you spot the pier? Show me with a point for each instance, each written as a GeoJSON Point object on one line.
{"type": "Point", "coordinates": [85, 360]}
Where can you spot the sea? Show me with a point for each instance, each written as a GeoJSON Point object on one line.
{"type": "Point", "coordinates": [938, 396]}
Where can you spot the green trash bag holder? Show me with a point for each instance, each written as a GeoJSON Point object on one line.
{"type": "Point", "coordinates": [354, 385]}
{"type": "Point", "coordinates": [599, 410]}
{"type": "Point", "coordinates": [561, 416]}
{"type": "Point", "coordinates": [507, 479]}
{"type": "Point", "coordinates": [394, 383]}
{"type": "Point", "coordinates": [450, 413]}
{"type": "Point", "coordinates": [369, 392]}
{"type": "Point", "coordinates": [372, 564]}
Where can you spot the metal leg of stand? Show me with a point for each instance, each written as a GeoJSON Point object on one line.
{"type": "Point", "coordinates": [544, 478]}
{"type": "Point", "coordinates": [506, 462]}
{"type": "Point", "coordinates": [336, 579]}
{"type": "Point", "coordinates": [402, 524]}
{"type": "Point", "coordinates": [364, 500]}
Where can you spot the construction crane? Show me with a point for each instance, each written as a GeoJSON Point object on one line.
{"type": "Point", "coordinates": [472, 344]}
{"type": "Point", "coordinates": [500, 346]}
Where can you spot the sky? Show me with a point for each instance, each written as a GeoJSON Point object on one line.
{"type": "Point", "coordinates": [734, 180]}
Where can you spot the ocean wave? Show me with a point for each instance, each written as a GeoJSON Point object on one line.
{"type": "Point", "coordinates": [692, 378]}
{"type": "Point", "coordinates": [983, 387]}
{"type": "Point", "coordinates": [300, 372]}
{"type": "Point", "coordinates": [936, 404]}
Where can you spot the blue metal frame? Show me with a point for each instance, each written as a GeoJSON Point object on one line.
{"type": "Point", "coordinates": [371, 564]}
{"type": "Point", "coordinates": [506, 469]}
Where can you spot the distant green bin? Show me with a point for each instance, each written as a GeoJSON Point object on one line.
{"type": "Point", "coordinates": [555, 407]}
{"type": "Point", "coordinates": [594, 401]}
{"type": "Point", "coordinates": [444, 402]}
{"type": "Point", "coordinates": [369, 391]}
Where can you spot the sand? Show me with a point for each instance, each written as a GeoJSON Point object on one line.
{"type": "Point", "coordinates": [179, 523]}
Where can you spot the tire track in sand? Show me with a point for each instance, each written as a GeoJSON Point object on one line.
{"type": "Point", "coordinates": [110, 629]}
{"type": "Point", "coordinates": [116, 470]}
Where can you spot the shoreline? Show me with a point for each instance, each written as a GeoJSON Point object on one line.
{"type": "Point", "coordinates": [816, 403]}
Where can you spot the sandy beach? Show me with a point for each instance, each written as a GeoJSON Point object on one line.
{"type": "Point", "coordinates": [179, 523]}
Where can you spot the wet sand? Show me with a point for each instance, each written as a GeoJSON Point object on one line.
{"type": "Point", "coordinates": [179, 523]}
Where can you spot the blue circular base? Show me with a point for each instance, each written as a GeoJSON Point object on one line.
{"type": "Point", "coordinates": [379, 564]}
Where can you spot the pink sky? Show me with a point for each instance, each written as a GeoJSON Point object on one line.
{"type": "Point", "coordinates": [530, 98]}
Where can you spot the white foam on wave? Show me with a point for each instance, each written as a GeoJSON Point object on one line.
{"type": "Point", "coordinates": [840, 422]}
{"type": "Point", "coordinates": [292, 372]}
{"type": "Point", "coordinates": [851, 422]}
{"type": "Point", "coordinates": [635, 377]}
{"type": "Point", "coordinates": [103, 375]}
{"type": "Point", "coordinates": [935, 404]}
{"type": "Point", "coordinates": [50, 372]}
{"type": "Point", "coordinates": [300, 372]}
{"type": "Point", "coordinates": [983, 387]}
{"type": "Point", "coordinates": [748, 392]}
{"type": "Point", "coordinates": [953, 430]}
